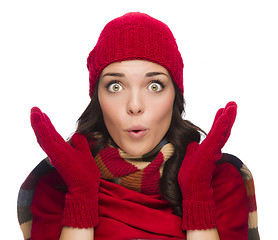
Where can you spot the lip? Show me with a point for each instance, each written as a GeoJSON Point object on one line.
{"type": "Point", "coordinates": [136, 131]}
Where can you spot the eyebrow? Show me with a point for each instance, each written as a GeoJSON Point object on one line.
{"type": "Point", "coordinates": [149, 74]}
{"type": "Point", "coordinates": [114, 74]}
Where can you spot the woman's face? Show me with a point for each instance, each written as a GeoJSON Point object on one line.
{"type": "Point", "coordinates": [136, 98]}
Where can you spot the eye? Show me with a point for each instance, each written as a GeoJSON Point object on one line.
{"type": "Point", "coordinates": [114, 87]}
{"type": "Point", "coordinates": [156, 86]}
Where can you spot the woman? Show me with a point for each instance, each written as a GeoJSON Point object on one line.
{"type": "Point", "coordinates": [135, 169]}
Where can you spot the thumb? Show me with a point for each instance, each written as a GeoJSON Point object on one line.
{"type": "Point", "coordinates": [191, 148]}
{"type": "Point", "coordinates": [80, 142]}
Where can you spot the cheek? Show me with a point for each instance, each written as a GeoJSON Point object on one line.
{"type": "Point", "coordinates": [161, 113]}
{"type": "Point", "coordinates": [111, 113]}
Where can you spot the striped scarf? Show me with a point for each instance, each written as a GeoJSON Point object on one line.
{"type": "Point", "coordinates": [139, 173]}
{"type": "Point", "coordinates": [253, 233]}
{"type": "Point", "coordinates": [142, 174]}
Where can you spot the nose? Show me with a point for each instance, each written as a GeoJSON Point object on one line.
{"type": "Point", "coordinates": [135, 105]}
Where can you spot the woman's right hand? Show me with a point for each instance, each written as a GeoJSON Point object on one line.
{"type": "Point", "coordinates": [76, 165]}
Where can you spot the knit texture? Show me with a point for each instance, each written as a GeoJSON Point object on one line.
{"type": "Point", "coordinates": [76, 165]}
{"type": "Point", "coordinates": [253, 233]}
{"type": "Point", "coordinates": [81, 212]}
{"type": "Point", "coordinates": [44, 168]}
{"type": "Point", "coordinates": [198, 214]}
{"type": "Point", "coordinates": [196, 172]}
{"type": "Point", "coordinates": [139, 173]}
{"type": "Point", "coordinates": [136, 36]}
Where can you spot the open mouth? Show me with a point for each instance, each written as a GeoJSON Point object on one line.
{"type": "Point", "coordinates": [137, 133]}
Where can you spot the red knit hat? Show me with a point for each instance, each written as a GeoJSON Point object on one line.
{"type": "Point", "coordinates": [136, 36]}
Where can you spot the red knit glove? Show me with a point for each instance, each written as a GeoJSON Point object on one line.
{"type": "Point", "coordinates": [76, 166]}
{"type": "Point", "coordinates": [197, 169]}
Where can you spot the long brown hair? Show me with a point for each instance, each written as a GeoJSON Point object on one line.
{"type": "Point", "coordinates": [181, 132]}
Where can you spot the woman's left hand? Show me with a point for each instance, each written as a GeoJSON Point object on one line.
{"type": "Point", "coordinates": [197, 169]}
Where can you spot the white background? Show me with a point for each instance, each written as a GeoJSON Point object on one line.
{"type": "Point", "coordinates": [229, 49]}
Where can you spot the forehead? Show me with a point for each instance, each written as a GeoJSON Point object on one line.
{"type": "Point", "coordinates": [134, 67]}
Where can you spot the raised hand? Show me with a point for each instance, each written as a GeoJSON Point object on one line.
{"type": "Point", "coordinates": [76, 165]}
{"type": "Point", "coordinates": [197, 169]}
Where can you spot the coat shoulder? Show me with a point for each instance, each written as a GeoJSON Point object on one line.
{"type": "Point", "coordinates": [230, 197]}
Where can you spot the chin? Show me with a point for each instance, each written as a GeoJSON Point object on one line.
{"type": "Point", "coordinates": [136, 153]}
{"type": "Point", "coordinates": [136, 150]}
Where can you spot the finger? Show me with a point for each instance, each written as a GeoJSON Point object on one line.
{"type": "Point", "coordinates": [35, 121]}
{"type": "Point", "coordinates": [222, 110]}
{"type": "Point", "coordinates": [44, 132]}
{"type": "Point", "coordinates": [218, 114]}
{"type": "Point", "coordinates": [52, 130]}
{"type": "Point", "coordinates": [40, 128]}
{"type": "Point", "coordinates": [55, 135]}
{"type": "Point", "coordinates": [80, 142]}
{"type": "Point", "coordinates": [221, 128]}
{"type": "Point", "coordinates": [231, 112]}
{"type": "Point", "coordinates": [231, 103]}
